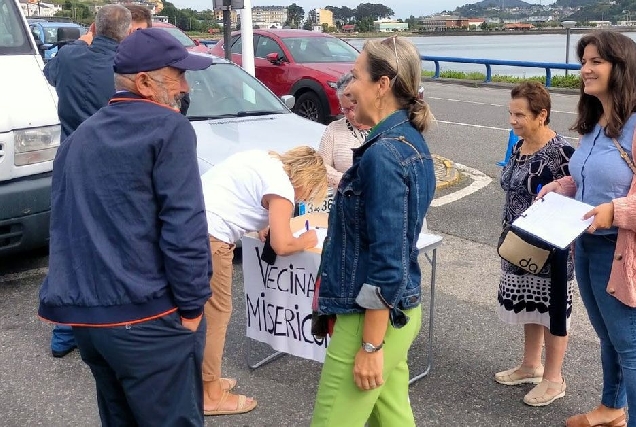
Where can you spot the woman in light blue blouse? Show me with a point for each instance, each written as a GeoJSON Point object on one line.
{"type": "Point", "coordinates": [601, 178]}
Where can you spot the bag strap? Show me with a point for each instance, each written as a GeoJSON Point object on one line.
{"type": "Point", "coordinates": [625, 156]}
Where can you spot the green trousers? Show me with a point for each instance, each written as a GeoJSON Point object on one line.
{"type": "Point", "coordinates": [340, 403]}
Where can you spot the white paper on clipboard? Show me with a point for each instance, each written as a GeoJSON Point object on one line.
{"type": "Point", "coordinates": [555, 219]}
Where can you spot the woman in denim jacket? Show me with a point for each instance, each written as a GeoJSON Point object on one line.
{"type": "Point", "coordinates": [371, 276]}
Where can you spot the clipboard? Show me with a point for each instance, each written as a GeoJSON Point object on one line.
{"type": "Point", "coordinates": [555, 219]}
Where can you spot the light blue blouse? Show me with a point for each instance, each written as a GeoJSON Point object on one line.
{"type": "Point", "coordinates": [599, 172]}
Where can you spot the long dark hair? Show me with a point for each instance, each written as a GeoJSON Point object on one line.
{"type": "Point", "coordinates": [620, 51]}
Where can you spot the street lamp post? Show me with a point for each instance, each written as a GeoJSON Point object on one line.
{"type": "Point", "coordinates": [568, 26]}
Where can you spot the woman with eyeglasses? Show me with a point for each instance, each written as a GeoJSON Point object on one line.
{"type": "Point", "coordinates": [341, 136]}
{"type": "Point", "coordinates": [370, 275]}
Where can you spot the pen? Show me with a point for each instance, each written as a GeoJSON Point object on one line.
{"type": "Point", "coordinates": [307, 225]}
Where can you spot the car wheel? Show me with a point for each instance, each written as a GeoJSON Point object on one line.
{"type": "Point", "coordinates": [308, 106]}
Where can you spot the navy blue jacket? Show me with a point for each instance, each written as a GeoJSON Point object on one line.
{"type": "Point", "coordinates": [369, 257]}
{"type": "Point", "coordinates": [83, 78]}
{"type": "Point", "coordinates": [128, 229]}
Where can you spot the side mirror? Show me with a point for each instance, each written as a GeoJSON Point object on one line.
{"type": "Point", "coordinates": [196, 42]}
{"type": "Point", "coordinates": [39, 45]}
{"type": "Point", "coordinates": [274, 58]}
{"type": "Point", "coordinates": [66, 34]}
{"type": "Point", "coordinates": [289, 100]}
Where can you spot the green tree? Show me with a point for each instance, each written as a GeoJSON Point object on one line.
{"type": "Point", "coordinates": [412, 23]}
{"type": "Point", "coordinates": [295, 15]}
{"type": "Point", "coordinates": [373, 11]}
{"type": "Point", "coordinates": [365, 25]}
{"type": "Point", "coordinates": [308, 25]}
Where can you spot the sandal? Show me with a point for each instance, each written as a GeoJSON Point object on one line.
{"type": "Point", "coordinates": [581, 420]}
{"type": "Point", "coordinates": [520, 375]}
{"type": "Point", "coordinates": [228, 383]}
{"type": "Point", "coordinates": [242, 406]}
{"type": "Point", "coordinates": [540, 395]}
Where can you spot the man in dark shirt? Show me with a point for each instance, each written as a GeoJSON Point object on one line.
{"type": "Point", "coordinates": [129, 261]}
{"type": "Point", "coordinates": [82, 74]}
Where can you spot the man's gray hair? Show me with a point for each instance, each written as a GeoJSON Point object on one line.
{"type": "Point", "coordinates": [342, 83]}
{"type": "Point", "coordinates": [113, 21]}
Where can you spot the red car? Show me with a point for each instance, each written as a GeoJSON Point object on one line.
{"type": "Point", "coordinates": [186, 41]}
{"type": "Point", "coordinates": [302, 63]}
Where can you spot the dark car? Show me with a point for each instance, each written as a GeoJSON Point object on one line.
{"type": "Point", "coordinates": [306, 64]}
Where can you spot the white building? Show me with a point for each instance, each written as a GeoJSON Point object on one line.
{"type": "Point", "coordinates": [41, 9]}
{"type": "Point", "coordinates": [388, 26]}
{"type": "Point", "coordinates": [269, 15]}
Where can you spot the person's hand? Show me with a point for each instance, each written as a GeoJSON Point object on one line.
{"type": "Point", "coordinates": [309, 239]}
{"type": "Point", "coordinates": [192, 324]}
{"type": "Point", "coordinates": [262, 235]}
{"type": "Point", "coordinates": [88, 37]}
{"type": "Point", "coordinates": [367, 369]}
{"type": "Point", "coordinates": [603, 217]}
{"type": "Point", "coordinates": [551, 187]}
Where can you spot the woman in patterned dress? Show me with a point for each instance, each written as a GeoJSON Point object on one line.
{"type": "Point", "coordinates": [341, 136]}
{"type": "Point", "coordinates": [540, 157]}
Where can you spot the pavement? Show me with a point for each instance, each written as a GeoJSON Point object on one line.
{"type": "Point", "coordinates": [470, 344]}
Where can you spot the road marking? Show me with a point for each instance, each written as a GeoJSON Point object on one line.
{"type": "Point", "coordinates": [488, 127]}
{"type": "Point", "coordinates": [464, 101]}
{"type": "Point", "coordinates": [28, 274]}
{"type": "Point", "coordinates": [489, 104]}
{"type": "Point", "coordinates": [480, 180]}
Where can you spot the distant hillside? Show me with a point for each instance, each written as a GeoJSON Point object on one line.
{"type": "Point", "coordinates": [575, 3]}
{"type": "Point", "coordinates": [481, 8]}
{"type": "Point", "coordinates": [494, 3]}
{"type": "Point", "coordinates": [605, 11]}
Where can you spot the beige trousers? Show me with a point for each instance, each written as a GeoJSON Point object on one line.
{"type": "Point", "coordinates": [218, 308]}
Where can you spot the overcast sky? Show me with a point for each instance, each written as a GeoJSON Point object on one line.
{"type": "Point", "coordinates": [402, 8]}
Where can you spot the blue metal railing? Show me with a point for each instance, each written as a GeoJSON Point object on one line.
{"type": "Point", "coordinates": [548, 66]}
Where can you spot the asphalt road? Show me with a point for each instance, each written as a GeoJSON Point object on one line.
{"type": "Point", "coordinates": [470, 343]}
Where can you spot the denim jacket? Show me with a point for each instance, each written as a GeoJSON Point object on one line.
{"type": "Point", "coordinates": [369, 256]}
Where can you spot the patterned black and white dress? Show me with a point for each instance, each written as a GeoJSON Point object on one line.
{"type": "Point", "coordinates": [524, 297]}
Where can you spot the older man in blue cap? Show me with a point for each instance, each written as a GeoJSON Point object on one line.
{"type": "Point", "coordinates": [129, 262]}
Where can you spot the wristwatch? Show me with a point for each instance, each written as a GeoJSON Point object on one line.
{"type": "Point", "coordinates": [370, 348]}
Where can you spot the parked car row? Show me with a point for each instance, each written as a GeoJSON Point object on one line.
{"type": "Point", "coordinates": [230, 110]}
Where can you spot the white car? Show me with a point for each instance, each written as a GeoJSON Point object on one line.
{"type": "Point", "coordinates": [232, 111]}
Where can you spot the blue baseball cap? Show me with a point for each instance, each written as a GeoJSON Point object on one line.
{"type": "Point", "coordinates": [150, 49]}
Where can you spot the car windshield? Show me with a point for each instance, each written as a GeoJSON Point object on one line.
{"type": "Point", "coordinates": [226, 90]}
{"type": "Point", "coordinates": [13, 36]}
{"type": "Point", "coordinates": [320, 49]}
{"type": "Point", "coordinates": [179, 35]}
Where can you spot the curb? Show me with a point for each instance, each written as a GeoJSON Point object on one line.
{"type": "Point", "coordinates": [498, 85]}
{"type": "Point", "coordinates": [445, 172]}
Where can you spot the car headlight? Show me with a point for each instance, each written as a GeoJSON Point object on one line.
{"type": "Point", "coordinates": [332, 85]}
{"type": "Point", "coordinates": [36, 145]}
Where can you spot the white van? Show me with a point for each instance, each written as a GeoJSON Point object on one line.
{"type": "Point", "coordinates": [29, 136]}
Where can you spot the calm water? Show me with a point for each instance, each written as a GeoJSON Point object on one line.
{"type": "Point", "coordinates": [531, 47]}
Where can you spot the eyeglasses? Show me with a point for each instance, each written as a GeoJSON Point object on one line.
{"type": "Point", "coordinates": [345, 110]}
{"type": "Point", "coordinates": [397, 62]}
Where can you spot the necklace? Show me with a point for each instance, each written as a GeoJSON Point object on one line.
{"type": "Point", "coordinates": [359, 134]}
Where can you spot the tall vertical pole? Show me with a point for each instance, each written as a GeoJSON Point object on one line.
{"type": "Point", "coordinates": [567, 48]}
{"type": "Point", "coordinates": [247, 36]}
{"type": "Point", "coordinates": [227, 31]}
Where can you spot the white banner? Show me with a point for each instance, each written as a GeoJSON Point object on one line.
{"type": "Point", "coordinates": [278, 300]}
